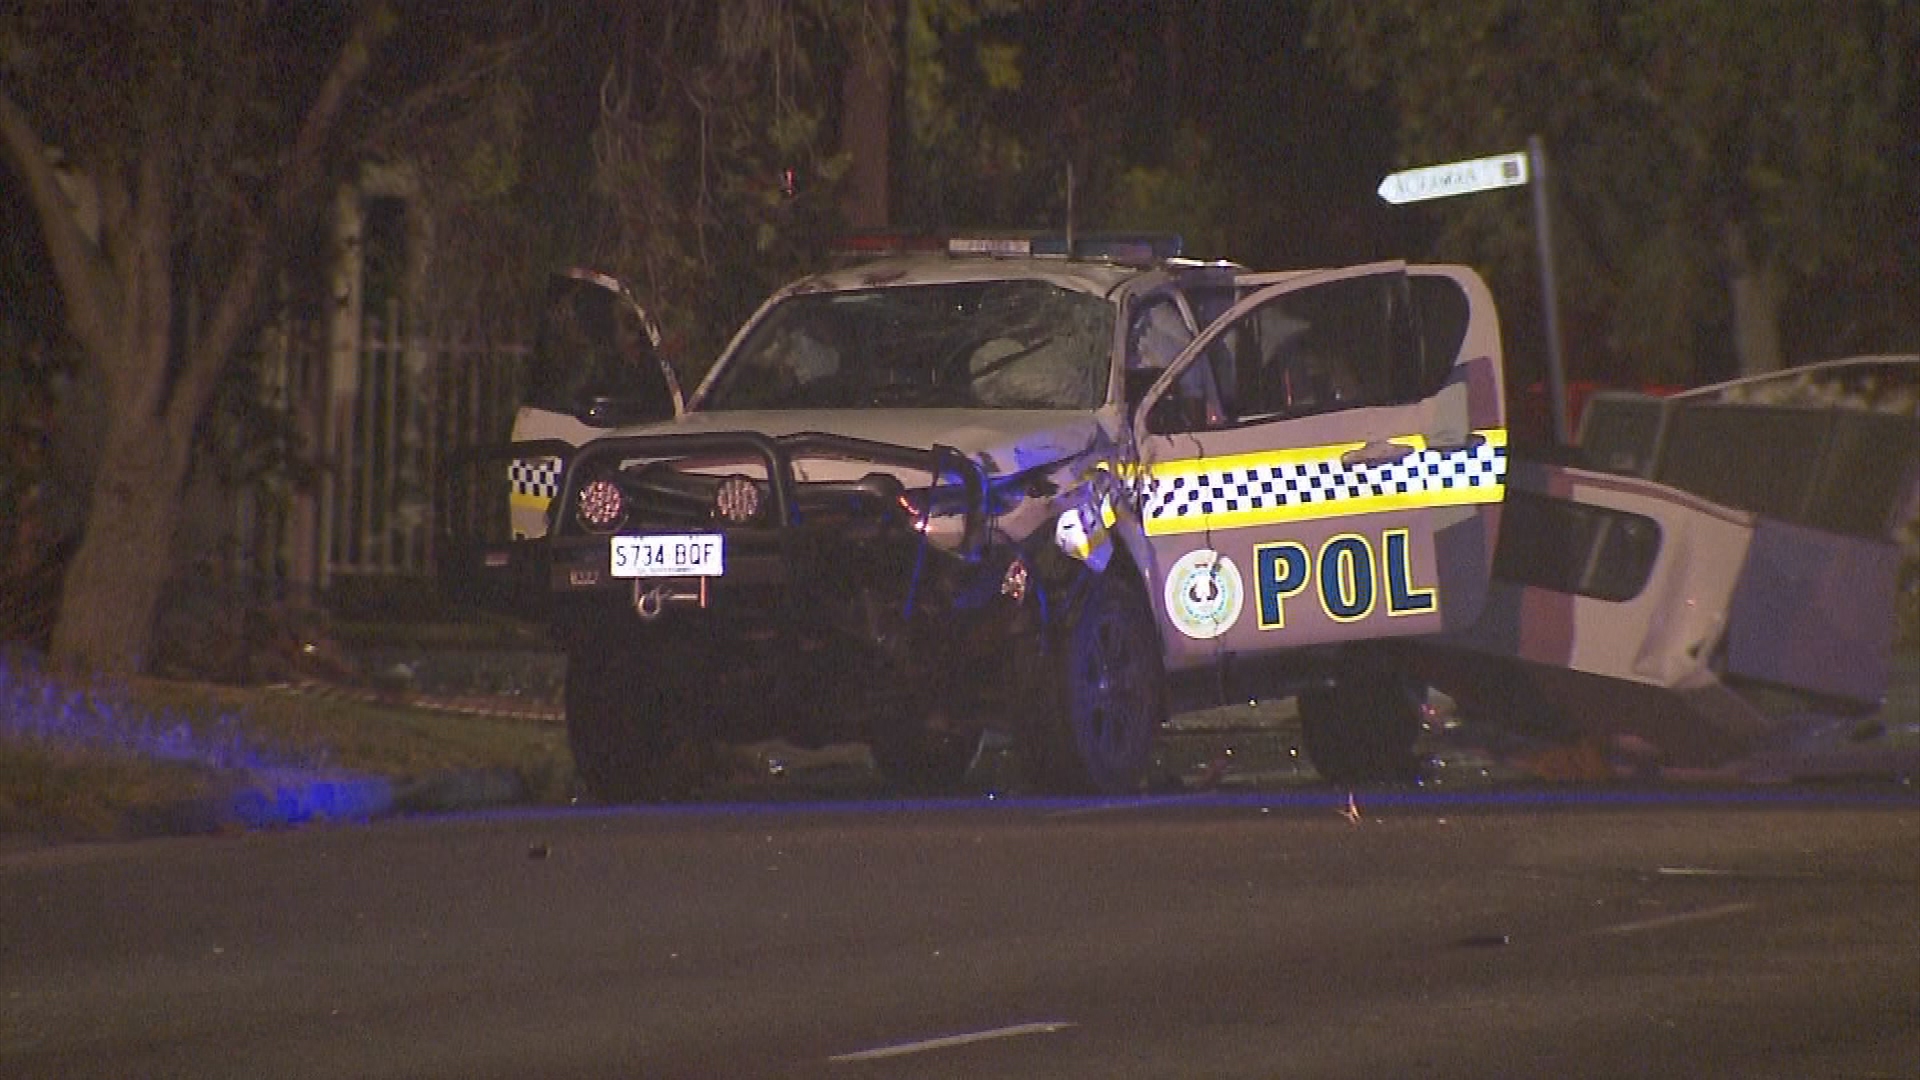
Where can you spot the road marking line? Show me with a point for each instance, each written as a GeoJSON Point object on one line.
{"type": "Point", "coordinates": [1046, 1027]}
{"type": "Point", "coordinates": [1665, 921]}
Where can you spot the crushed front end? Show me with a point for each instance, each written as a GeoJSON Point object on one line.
{"type": "Point", "coordinates": [802, 608]}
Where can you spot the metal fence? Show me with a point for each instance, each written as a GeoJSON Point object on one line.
{"type": "Point", "coordinates": [420, 397]}
{"type": "Point", "coordinates": [333, 477]}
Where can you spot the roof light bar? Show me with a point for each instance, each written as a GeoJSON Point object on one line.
{"type": "Point", "coordinates": [877, 242]}
{"type": "Point", "coordinates": [998, 246]}
{"type": "Point", "coordinates": [1127, 248]}
{"type": "Point", "coordinates": [1117, 247]}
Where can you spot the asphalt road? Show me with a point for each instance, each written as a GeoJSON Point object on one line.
{"type": "Point", "coordinates": [1499, 933]}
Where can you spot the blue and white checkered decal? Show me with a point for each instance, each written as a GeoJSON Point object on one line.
{"type": "Point", "coordinates": [1298, 485]}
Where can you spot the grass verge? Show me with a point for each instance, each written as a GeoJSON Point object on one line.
{"type": "Point", "coordinates": [392, 740]}
{"type": "Point", "coordinates": [61, 793]}
{"type": "Point", "coordinates": [104, 761]}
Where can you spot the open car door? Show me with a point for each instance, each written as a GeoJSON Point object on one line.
{"type": "Point", "coordinates": [1350, 487]}
{"type": "Point", "coordinates": [595, 365]}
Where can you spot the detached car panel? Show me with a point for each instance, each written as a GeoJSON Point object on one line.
{"type": "Point", "coordinates": [1725, 592]}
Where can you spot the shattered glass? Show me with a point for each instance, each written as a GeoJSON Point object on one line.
{"type": "Point", "coordinates": [970, 345]}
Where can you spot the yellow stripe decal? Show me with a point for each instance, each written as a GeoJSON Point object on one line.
{"type": "Point", "coordinates": [1244, 490]}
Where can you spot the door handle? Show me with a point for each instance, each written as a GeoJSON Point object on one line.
{"type": "Point", "coordinates": [1473, 441]}
{"type": "Point", "coordinates": [1376, 453]}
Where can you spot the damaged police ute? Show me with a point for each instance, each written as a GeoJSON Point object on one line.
{"type": "Point", "coordinates": [1008, 487]}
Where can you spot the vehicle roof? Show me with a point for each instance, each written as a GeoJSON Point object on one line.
{"type": "Point", "coordinates": [1096, 277]}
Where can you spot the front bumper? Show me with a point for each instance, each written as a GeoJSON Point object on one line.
{"type": "Point", "coordinates": [848, 557]}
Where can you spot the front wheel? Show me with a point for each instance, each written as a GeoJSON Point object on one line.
{"type": "Point", "coordinates": [1362, 731]}
{"type": "Point", "coordinates": [621, 726]}
{"type": "Point", "coordinates": [1110, 694]}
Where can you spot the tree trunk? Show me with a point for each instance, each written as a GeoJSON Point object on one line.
{"type": "Point", "coordinates": [866, 128]}
{"type": "Point", "coordinates": [113, 585]}
{"type": "Point", "coordinates": [1756, 306]}
{"type": "Point", "coordinates": [119, 297]}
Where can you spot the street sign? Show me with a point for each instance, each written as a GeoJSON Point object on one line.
{"type": "Point", "coordinates": [1486, 174]}
{"type": "Point", "coordinates": [1455, 178]}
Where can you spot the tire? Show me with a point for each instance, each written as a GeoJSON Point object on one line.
{"type": "Point", "coordinates": [1361, 732]}
{"type": "Point", "coordinates": [1109, 694]}
{"type": "Point", "coordinates": [621, 728]}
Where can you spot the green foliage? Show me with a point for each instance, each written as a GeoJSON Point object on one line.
{"type": "Point", "coordinates": [65, 794]}
{"type": "Point", "coordinates": [714, 166]}
{"type": "Point", "coordinates": [1672, 128]}
{"type": "Point", "coordinates": [1000, 66]}
{"type": "Point", "coordinates": [970, 160]}
{"type": "Point", "coordinates": [1020, 114]}
{"type": "Point", "coordinates": [1187, 196]}
{"type": "Point", "coordinates": [470, 140]}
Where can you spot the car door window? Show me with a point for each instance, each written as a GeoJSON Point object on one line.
{"type": "Point", "coordinates": [1158, 330]}
{"type": "Point", "coordinates": [1343, 345]}
{"type": "Point", "coordinates": [1444, 312]}
{"type": "Point", "coordinates": [592, 343]}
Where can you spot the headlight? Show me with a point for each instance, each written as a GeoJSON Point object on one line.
{"type": "Point", "coordinates": [737, 500]}
{"type": "Point", "coordinates": [601, 505]}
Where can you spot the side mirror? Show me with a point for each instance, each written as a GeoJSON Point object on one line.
{"type": "Point", "coordinates": [597, 356]}
{"type": "Point", "coordinates": [610, 411]}
{"type": "Point", "coordinates": [1173, 414]}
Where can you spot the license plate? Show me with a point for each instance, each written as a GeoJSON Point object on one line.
{"type": "Point", "coordinates": [678, 555]}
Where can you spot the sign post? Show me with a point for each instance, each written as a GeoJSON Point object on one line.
{"type": "Point", "coordinates": [1550, 295]}
{"type": "Point", "coordinates": [1519, 169]}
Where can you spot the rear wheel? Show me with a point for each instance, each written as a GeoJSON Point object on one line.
{"type": "Point", "coordinates": [1361, 732]}
{"type": "Point", "coordinates": [1110, 694]}
{"type": "Point", "coordinates": [621, 726]}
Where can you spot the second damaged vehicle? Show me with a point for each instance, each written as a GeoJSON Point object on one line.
{"type": "Point", "coordinates": [1005, 487]}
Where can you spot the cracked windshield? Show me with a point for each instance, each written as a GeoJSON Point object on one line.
{"type": "Point", "coordinates": [994, 345]}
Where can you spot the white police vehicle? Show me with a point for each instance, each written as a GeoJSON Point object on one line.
{"type": "Point", "coordinates": [1006, 487]}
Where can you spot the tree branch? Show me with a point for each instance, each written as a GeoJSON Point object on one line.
{"type": "Point", "coordinates": [476, 69]}
{"type": "Point", "coordinates": [86, 286]}
{"type": "Point", "coordinates": [304, 169]}
{"type": "Point", "coordinates": [136, 371]}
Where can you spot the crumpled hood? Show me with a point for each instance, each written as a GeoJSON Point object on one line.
{"type": "Point", "coordinates": [1004, 441]}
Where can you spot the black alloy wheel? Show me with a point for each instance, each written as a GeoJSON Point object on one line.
{"type": "Point", "coordinates": [1111, 693]}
